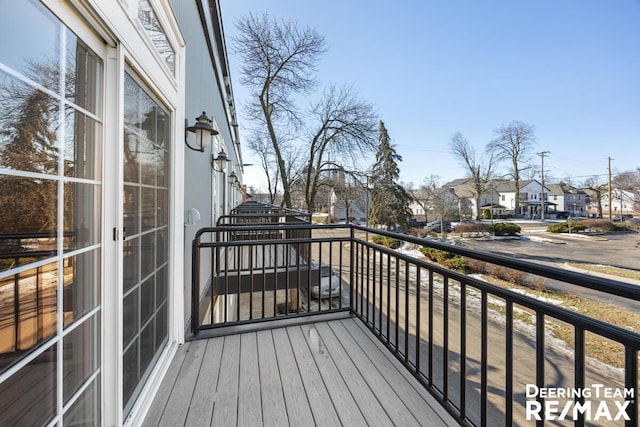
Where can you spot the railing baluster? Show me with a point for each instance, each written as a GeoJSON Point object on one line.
{"type": "Point", "coordinates": [509, 363]}
{"type": "Point", "coordinates": [388, 308]}
{"type": "Point", "coordinates": [374, 283]}
{"type": "Point", "coordinates": [418, 310]}
{"type": "Point", "coordinates": [445, 337]}
{"type": "Point", "coordinates": [463, 350]}
{"type": "Point", "coordinates": [406, 312]}
{"type": "Point", "coordinates": [540, 356]}
{"type": "Point", "coordinates": [483, 359]}
{"type": "Point", "coordinates": [579, 369]}
{"type": "Point", "coordinates": [430, 368]}
{"type": "Point", "coordinates": [397, 310]}
{"type": "Point", "coordinates": [631, 382]}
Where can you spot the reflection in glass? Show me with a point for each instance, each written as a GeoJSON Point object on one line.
{"type": "Point", "coordinates": [147, 252]}
{"type": "Point", "coordinates": [149, 21]}
{"type": "Point", "coordinates": [131, 209]}
{"type": "Point", "coordinates": [28, 311]}
{"type": "Point", "coordinates": [130, 374]}
{"type": "Point", "coordinates": [28, 220]}
{"type": "Point", "coordinates": [50, 139]}
{"type": "Point", "coordinates": [39, 35]}
{"type": "Point", "coordinates": [83, 146]}
{"type": "Point", "coordinates": [146, 215]}
{"type": "Point", "coordinates": [81, 285]}
{"type": "Point", "coordinates": [85, 410]}
{"type": "Point", "coordinates": [84, 75]}
{"type": "Point", "coordinates": [131, 262]}
{"type": "Point", "coordinates": [130, 307]}
{"type": "Point", "coordinates": [28, 398]}
{"type": "Point", "coordinates": [82, 215]}
{"type": "Point", "coordinates": [29, 119]}
{"type": "Point", "coordinates": [146, 292]}
{"type": "Point", "coordinates": [148, 211]}
{"type": "Point", "coordinates": [147, 349]}
{"type": "Point", "coordinates": [80, 349]}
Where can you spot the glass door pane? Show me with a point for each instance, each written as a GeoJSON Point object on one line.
{"type": "Point", "coordinates": [145, 248]}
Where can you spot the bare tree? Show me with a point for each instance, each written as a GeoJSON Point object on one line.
{"type": "Point", "coordinates": [513, 144]}
{"type": "Point", "coordinates": [345, 126]}
{"type": "Point", "coordinates": [480, 170]}
{"type": "Point", "coordinates": [278, 61]}
{"type": "Point", "coordinates": [627, 180]}
{"type": "Point", "coordinates": [597, 189]}
{"type": "Point", "coordinates": [426, 195]}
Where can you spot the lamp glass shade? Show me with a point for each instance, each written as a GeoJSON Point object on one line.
{"type": "Point", "coordinates": [203, 136]}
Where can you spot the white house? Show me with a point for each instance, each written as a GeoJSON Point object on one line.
{"type": "Point", "coordinates": [105, 176]}
{"type": "Point", "coordinates": [624, 202]}
{"type": "Point", "coordinates": [568, 199]}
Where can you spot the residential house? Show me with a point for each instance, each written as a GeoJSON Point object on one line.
{"type": "Point", "coordinates": [108, 168]}
{"type": "Point", "coordinates": [625, 202]}
{"type": "Point", "coordinates": [568, 199]}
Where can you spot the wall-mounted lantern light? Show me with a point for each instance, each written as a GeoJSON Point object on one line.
{"type": "Point", "coordinates": [219, 161]}
{"type": "Point", "coordinates": [203, 130]}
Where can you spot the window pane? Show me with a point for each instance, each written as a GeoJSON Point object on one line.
{"type": "Point", "coordinates": [38, 33]}
{"type": "Point", "coordinates": [28, 398]}
{"type": "Point", "coordinates": [130, 371]}
{"type": "Point", "coordinates": [29, 120]}
{"type": "Point", "coordinates": [82, 215]}
{"type": "Point", "coordinates": [81, 285]}
{"type": "Point", "coordinates": [86, 410]}
{"type": "Point", "coordinates": [149, 21]}
{"type": "Point", "coordinates": [84, 75]}
{"type": "Point", "coordinates": [83, 146]}
{"type": "Point", "coordinates": [28, 311]}
{"type": "Point", "coordinates": [131, 262]}
{"type": "Point", "coordinates": [28, 220]}
{"type": "Point", "coordinates": [81, 353]}
{"type": "Point", "coordinates": [130, 317]}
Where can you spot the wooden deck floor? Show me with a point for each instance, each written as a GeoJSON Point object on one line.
{"type": "Point", "coordinates": [328, 374]}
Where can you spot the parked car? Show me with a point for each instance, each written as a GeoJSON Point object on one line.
{"type": "Point", "coordinates": [439, 226]}
{"type": "Point", "coordinates": [417, 223]}
{"type": "Point", "coordinates": [329, 281]}
{"type": "Point", "coordinates": [624, 217]}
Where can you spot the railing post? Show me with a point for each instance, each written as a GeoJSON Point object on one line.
{"type": "Point", "coordinates": [351, 267]}
{"type": "Point", "coordinates": [195, 286]}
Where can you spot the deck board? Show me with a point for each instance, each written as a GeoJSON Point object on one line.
{"type": "Point", "coordinates": [201, 406]}
{"type": "Point", "coordinates": [250, 413]}
{"type": "Point", "coordinates": [325, 373]}
{"type": "Point", "coordinates": [298, 407]}
{"type": "Point", "coordinates": [225, 409]}
{"type": "Point", "coordinates": [368, 403]}
{"type": "Point", "coordinates": [274, 408]}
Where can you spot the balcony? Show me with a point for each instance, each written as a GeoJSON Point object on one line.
{"type": "Point", "coordinates": [307, 324]}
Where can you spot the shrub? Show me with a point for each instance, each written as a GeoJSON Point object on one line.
{"type": "Point", "coordinates": [563, 227]}
{"type": "Point", "coordinates": [506, 229]}
{"type": "Point", "coordinates": [474, 229]}
{"type": "Point", "coordinates": [446, 259]}
{"type": "Point", "coordinates": [389, 242]}
{"type": "Point", "coordinates": [599, 225]}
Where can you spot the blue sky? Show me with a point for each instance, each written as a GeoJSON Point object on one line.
{"type": "Point", "coordinates": [433, 68]}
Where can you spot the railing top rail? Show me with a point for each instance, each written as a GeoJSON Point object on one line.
{"type": "Point", "coordinates": [615, 287]}
{"type": "Point", "coordinates": [611, 286]}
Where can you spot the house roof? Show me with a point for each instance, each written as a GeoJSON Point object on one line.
{"type": "Point", "coordinates": [456, 182]}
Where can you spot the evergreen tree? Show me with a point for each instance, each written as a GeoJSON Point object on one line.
{"type": "Point", "coordinates": [389, 200]}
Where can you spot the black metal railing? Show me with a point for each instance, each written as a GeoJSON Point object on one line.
{"type": "Point", "coordinates": [479, 348]}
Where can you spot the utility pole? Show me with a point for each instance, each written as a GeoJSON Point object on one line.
{"type": "Point", "coordinates": [610, 195]}
{"type": "Point", "coordinates": [542, 154]}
